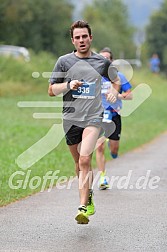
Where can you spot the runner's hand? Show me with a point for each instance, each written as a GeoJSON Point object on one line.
{"type": "Point", "coordinates": [74, 84]}
{"type": "Point", "coordinates": [111, 98]}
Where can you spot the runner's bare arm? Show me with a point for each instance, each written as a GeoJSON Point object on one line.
{"type": "Point", "coordinates": [126, 95]}
{"type": "Point", "coordinates": [58, 88]}
{"type": "Point", "coordinates": [112, 95]}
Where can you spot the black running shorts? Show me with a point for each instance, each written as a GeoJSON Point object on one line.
{"type": "Point", "coordinates": [73, 133]}
{"type": "Point", "coordinates": [117, 133]}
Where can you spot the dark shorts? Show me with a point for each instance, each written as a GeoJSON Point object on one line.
{"type": "Point", "coordinates": [113, 129]}
{"type": "Point", "coordinates": [73, 132]}
{"type": "Point", "coordinates": [117, 133]}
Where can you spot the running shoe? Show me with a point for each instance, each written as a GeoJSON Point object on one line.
{"type": "Point", "coordinates": [113, 155]}
{"type": "Point", "coordinates": [82, 216]}
{"type": "Point", "coordinates": [90, 205]}
{"type": "Point", "coordinates": [103, 184]}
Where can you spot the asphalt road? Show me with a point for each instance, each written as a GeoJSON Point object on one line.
{"type": "Point", "coordinates": [131, 216]}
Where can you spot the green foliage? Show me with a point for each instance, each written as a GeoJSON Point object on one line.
{"type": "Point", "coordinates": [16, 75]}
{"type": "Point", "coordinates": [44, 25]}
{"type": "Point", "coordinates": [39, 24]}
{"type": "Point", "coordinates": [156, 34]}
{"type": "Point", "coordinates": [109, 21]}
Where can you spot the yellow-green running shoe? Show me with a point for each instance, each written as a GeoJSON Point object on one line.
{"type": "Point", "coordinates": [82, 216]}
{"type": "Point", "coordinates": [103, 184]}
{"type": "Point", "coordinates": [90, 205]}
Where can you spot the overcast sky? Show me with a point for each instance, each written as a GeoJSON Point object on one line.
{"type": "Point", "coordinates": [139, 10]}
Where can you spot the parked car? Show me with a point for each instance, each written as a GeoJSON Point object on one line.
{"type": "Point", "coordinates": [15, 51]}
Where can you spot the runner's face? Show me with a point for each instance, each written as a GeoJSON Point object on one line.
{"type": "Point", "coordinates": [81, 40]}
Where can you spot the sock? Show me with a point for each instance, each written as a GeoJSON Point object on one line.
{"type": "Point", "coordinates": [102, 174]}
{"type": "Point", "coordinates": [82, 207]}
{"type": "Point", "coordinates": [91, 190]}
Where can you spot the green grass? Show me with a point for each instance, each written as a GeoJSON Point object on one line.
{"type": "Point", "coordinates": [150, 118]}
{"type": "Point", "coordinates": [19, 130]}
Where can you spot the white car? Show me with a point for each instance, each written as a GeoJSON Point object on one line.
{"type": "Point", "coordinates": [15, 51]}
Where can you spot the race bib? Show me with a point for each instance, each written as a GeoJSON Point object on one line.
{"type": "Point", "coordinates": [106, 85]}
{"type": "Point", "coordinates": [86, 91]}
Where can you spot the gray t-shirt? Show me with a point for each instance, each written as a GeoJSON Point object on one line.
{"type": "Point", "coordinates": [84, 104]}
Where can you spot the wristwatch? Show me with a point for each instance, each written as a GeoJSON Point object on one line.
{"type": "Point", "coordinates": [68, 84]}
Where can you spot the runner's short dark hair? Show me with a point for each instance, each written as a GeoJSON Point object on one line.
{"type": "Point", "coordinates": [80, 24]}
{"type": "Point", "coordinates": [107, 49]}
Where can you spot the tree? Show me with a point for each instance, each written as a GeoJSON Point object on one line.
{"type": "Point", "coordinates": [109, 22]}
{"type": "Point", "coordinates": [36, 24]}
{"type": "Point", "coordinates": [156, 34]}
